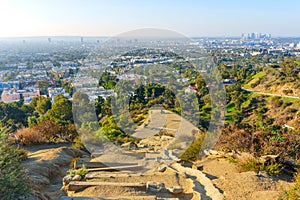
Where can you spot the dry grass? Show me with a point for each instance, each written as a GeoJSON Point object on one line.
{"type": "Point", "coordinates": [29, 136]}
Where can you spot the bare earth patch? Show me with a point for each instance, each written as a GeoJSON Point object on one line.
{"type": "Point", "coordinates": [241, 185]}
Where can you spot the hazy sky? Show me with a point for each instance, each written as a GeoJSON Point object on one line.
{"type": "Point", "coordinates": [111, 17]}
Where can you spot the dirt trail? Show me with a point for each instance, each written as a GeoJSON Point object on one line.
{"type": "Point", "coordinates": [213, 178]}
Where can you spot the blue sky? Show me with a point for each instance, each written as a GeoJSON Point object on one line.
{"type": "Point", "coordinates": [112, 17]}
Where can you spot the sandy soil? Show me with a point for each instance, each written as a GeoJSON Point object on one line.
{"type": "Point", "coordinates": [241, 185]}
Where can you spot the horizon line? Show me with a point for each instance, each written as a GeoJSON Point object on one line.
{"type": "Point", "coordinates": [107, 36]}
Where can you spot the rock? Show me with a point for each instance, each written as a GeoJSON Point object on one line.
{"type": "Point", "coordinates": [213, 152]}
{"type": "Point", "coordinates": [187, 164]}
{"type": "Point", "coordinates": [206, 153]}
{"type": "Point", "coordinates": [162, 168]}
{"type": "Point", "coordinates": [77, 178]}
{"type": "Point", "coordinates": [176, 190]}
{"type": "Point", "coordinates": [34, 195]}
{"type": "Point", "coordinates": [229, 154]}
{"type": "Point", "coordinates": [151, 148]}
{"type": "Point", "coordinates": [269, 158]}
{"type": "Point", "coordinates": [39, 181]}
{"type": "Point", "coordinates": [142, 145]}
{"type": "Point", "coordinates": [263, 174]}
{"type": "Point", "coordinates": [67, 179]}
{"type": "Point", "coordinates": [194, 167]}
{"type": "Point", "coordinates": [155, 186]}
{"type": "Point", "coordinates": [166, 138]}
{"type": "Point", "coordinates": [151, 189]}
{"type": "Point", "coordinates": [129, 146]}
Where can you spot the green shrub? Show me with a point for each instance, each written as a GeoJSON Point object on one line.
{"type": "Point", "coordinates": [252, 164]}
{"type": "Point", "coordinates": [73, 162]}
{"type": "Point", "coordinates": [256, 83]}
{"type": "Point", "coordinates": [277, 102]}
{"type": "Point", "coordinates": [78, 144]}
{"type": "Point", "coordinates": [286, 92]}
{"type": "Point", "coordinates": [13, 178]}
{"type": "Point", "coordinates": [82, 171]}
{"type": "Point", "coordinates": [273, 169]}
{"type": "Point", "coordinates": [232, 160]}
{"type": "Point", "coordinates": [292, 110]}
{"type": "Point", "coordinates": [294, 192]}
{"type": "Point", "coordinates": [286, 104]}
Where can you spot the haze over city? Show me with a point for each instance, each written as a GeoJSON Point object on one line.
{"type": "Point", "coordinates": [107, 18]}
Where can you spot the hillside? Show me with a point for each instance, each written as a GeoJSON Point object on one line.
{"type": "Point", "coordinates": [282, 80]}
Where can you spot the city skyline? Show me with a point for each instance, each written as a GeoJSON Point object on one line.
{"type": "Point", "coordinates": [108, 18]}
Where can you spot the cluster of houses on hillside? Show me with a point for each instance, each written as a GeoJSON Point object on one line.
{"type": "Point", "coordinates": [13, 95]}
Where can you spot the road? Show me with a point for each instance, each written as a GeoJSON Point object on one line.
{"type": "Point", "coordinates": [270, 94]}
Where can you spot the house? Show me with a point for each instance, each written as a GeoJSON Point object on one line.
{"type": "Point", "coordinates": [13, 95]}
{"type": "Point", "coordinates": [10, 95]}
{"type": "Point", "coordinates": [191, 89]}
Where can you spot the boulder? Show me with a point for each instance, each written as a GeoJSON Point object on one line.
{"type": "Point", "coordinates": [269, 158]}
{"type": "Point", "coordinates": [213, 152]}
{"type": "Point", "coordinates": [176, 190]}
{"type": "Point", "coordinates": [77, 178]}
{"type": "Point", "coordinates": [162, 168]}
{"type": "Point", "coordinates": [129, 146]}
{"type": "Point", "coordinates": [155, 186]}
{"type": "Point", "coordinates": [67, 179]}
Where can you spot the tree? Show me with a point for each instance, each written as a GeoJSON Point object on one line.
{"type": "Point", "coordinates": [99, 104]}
{"type": "Point", "coordinates": [61, 111]}
{"type": "Point", "coordinates": [201, 86]}
{"type": "Point", "coordinates": [84, 110]}
{"type": "Point", "coordinates": [43, 87]}
{"type": "Point", "coordinates": [41, 104]}
{"type": "Point", "coordinates": [14, 115]}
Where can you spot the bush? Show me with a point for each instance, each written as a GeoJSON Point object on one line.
{"type": "Point", "coordinates": [277, 102]}
{"type": "Point", "coordinates": [260, 140]}
{"type": "Point", "coordinates": [13, 178]}
{"type": "Point", "coordinates": [252, 164]}
{"type": "Point", "coordinates": [273, 169]}
{"type": "Point", "coordinates": [82, 171]}
{"type": "Point", "coordinates": [256, 83]}
{"type": "Point", "coordinates": [105, 133]}
{"type": "Point", "coordinates": [286, 92]}
{"type": "Point", "coordinates": [47, 131]}
{"type": "Point", "coordinates": [78, 144]}
{"type": "Point", "coordinates": [294, 192]}
{"type": "Point", "coordinates": [234, 138]}
{"type": "Point", "coordinates": [29, 136]}
{"type": "Point", "coordinates": [286, 104]}
{"type": "Point", "coordinates": [292, 110]}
